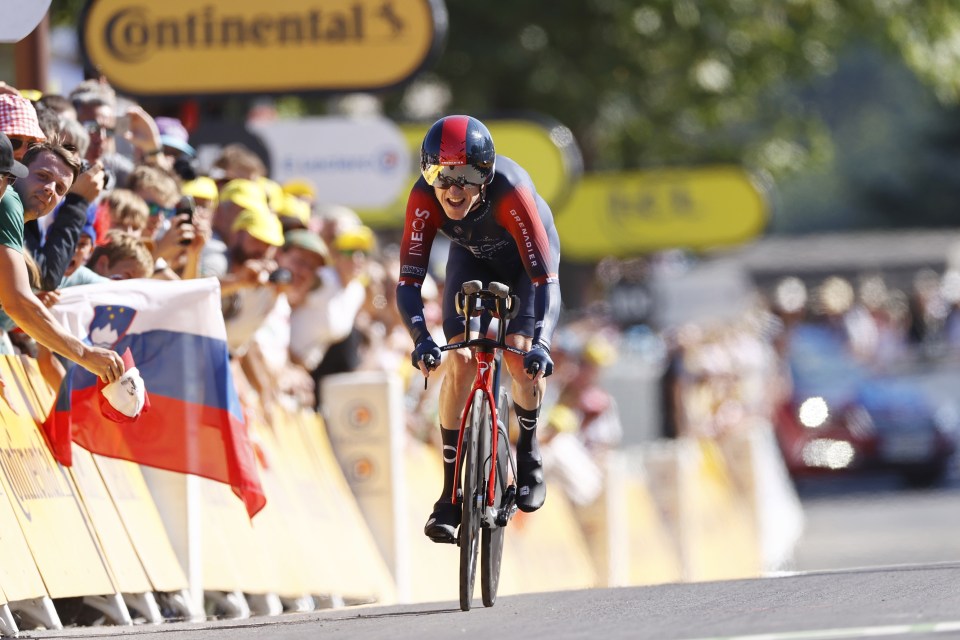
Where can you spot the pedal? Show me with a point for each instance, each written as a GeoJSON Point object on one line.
{"type": "Point", "coordinates": [508, 506]}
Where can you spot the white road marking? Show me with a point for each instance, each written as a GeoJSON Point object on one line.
{"type": "Point", "coordinates": [853, 632]}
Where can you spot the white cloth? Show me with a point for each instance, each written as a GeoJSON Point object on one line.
{"type": "Point", "coordinates": [127, 394]}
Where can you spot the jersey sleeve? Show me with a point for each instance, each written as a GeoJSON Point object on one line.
{"type": "Point", "coordinates": [419, 231]}
{"type": "Point", "coordinates": [530, 222]}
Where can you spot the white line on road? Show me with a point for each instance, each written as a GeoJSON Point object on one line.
{"type": "Point", "coordinates": [854, 632]}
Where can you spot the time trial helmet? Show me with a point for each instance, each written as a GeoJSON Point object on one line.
{"type": "Point", "coordinates": [457, 150]}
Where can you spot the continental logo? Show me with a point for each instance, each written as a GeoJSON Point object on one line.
{"type": "Point", "coordinates": [185, 47]}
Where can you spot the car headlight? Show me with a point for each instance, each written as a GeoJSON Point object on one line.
{"type": "Point", "coordinates": [813, 412]}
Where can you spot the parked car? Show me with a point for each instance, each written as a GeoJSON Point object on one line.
{"type": "Point", "coordinates": [841, 417]}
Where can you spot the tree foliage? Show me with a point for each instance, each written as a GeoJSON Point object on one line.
{"type": "Point", "coordinates": [679, 82]}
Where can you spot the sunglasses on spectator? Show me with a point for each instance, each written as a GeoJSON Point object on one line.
{"type": "Point", "coordinates": [94, 127]}
{"type": "Point", "coordinates": [156, 210]}
{"type": "Point", "coordinates": [17, 143]}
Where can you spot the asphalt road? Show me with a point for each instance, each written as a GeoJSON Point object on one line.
{"type": "Point", "coordinates": [904, 602]}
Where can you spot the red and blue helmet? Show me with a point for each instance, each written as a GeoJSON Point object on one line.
{"type": "Point", "coordinates": [457, 150]}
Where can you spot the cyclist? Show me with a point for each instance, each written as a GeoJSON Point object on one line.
{"type": "Point", "coordinates": [500, 230]}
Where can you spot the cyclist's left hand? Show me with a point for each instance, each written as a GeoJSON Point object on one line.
{"type": "Point", "coordinates": [537, 362]}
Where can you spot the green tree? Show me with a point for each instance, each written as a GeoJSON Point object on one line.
{"type": "Point", "coordinates": [677, 82]}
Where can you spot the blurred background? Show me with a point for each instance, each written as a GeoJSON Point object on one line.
{"type": "Point", "coordinates": [757, 205]}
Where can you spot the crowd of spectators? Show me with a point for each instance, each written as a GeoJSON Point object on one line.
{"type": "Point", "coordinates": [110, 192]}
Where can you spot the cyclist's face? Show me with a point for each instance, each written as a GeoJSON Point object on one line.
{"type": "Point", "coordinates": [457, 201]}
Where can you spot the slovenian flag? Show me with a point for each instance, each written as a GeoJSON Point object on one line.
{"type": "Point", "coordinates": [175, 334]}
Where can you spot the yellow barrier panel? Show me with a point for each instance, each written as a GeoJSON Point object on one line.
{"type": "Point", "coordinates": [627, 538]}
{"type": "Point", "coordinates": [122, 560]}
{"type": "Point", "coordinates": [115, 532]}
{"type": "Point", "coordinates": [46, 503]}
{"type": "Point", "coordinates": [437, 565]}
{"type": "Point", "coordinates": [708, 516]}
{"type": "Point", "coordinates": [143, 524]}
{"type": "Point", "coordinates": [19, 577]}
{"type": "Point", "coordinates": [547, 550]}
{"type": "Point", "coordinates": [653, 557]}
{"type": "Point", "coordinates": [228, 538]}
{"type": "Point", "coordinates": [278, 527]}
{"type": "Point", "coordinates": [355, 564]}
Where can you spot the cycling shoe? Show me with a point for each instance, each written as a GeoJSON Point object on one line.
{"type": "Point", "coordinates": [443, 522]}
{"type": "Point", "coordinates": [531, 489]}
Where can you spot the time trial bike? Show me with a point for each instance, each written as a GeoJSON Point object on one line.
{"type": "Point", "coordinates": [485, 483]}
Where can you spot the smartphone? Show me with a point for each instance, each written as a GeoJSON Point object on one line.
{"type": "Point", "coordinates": [186, 206]}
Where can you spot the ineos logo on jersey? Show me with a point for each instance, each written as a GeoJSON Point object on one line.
{"type": "Point", "coordinates": [417, 225]}
{"type": "Point", "coordinates": [527, 241]}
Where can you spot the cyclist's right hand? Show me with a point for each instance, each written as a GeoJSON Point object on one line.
{"type": "Point", "coordinates": [426, 352]}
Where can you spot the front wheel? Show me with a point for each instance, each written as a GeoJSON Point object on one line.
{"type": "Point", "coordinates": [492, 539]}
{"type": "Point", "coordinates": [471, 501]}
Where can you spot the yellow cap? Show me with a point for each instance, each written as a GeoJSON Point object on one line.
{"type": "Point", "coordinates": [260, 224]}
{"type": "Point", "coordinates": [274, 193]}
{"type": "Point", "coordinates": [599, 351]}
{"type": "Point", "coordinates": [300, 189]}
{"type": "Point", "coordinates": [563, 419]}
{"type": "Point", "coordinates": [201, 187]}
{"type": "Point", "coordinates": [355, 239]}
{"type": "Point", "coordinates": [294, 207]}
{"type": "Point", "coordinates": [245, 193]}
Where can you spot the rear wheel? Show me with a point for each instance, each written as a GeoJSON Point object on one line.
{"type": "Point", "coordinates": [470, 502]}
{"type": "Point", "coordinates": [492, 539]}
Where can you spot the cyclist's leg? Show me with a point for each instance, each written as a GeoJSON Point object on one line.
{"type": "Point", "coordinates": [527, 397]}
{"type": "Point", "coordinates": [458, 372]}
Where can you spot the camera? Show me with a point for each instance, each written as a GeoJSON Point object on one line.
{"type": "Point", "coordinates": [280, 276]}
{"type": "Point", "coordinates": [186, 206]}
{"type": "Point", "coordinates": [108, 178]}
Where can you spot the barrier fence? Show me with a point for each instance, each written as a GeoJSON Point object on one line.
{"type": "Point", "coordinates": [344, 514]}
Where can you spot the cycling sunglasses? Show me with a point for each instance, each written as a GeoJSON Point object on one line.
{"type": "Point", "coordinates": [445, 176]}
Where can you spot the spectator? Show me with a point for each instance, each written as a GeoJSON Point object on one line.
{"type": "Point", "coordinates": [334, 342]}
{"type": "Point", "coordinates": [126, 212]}
{"type": "Point", "coordinates": [60, 105]}
{"type": "Point", "coordinates": [77, 272]}
{"type": "Point", "coordinates": [53, 170]}
{"type": "Point", "coordinates": [170, 233]}
{"type": "Point", "coordinates": [16, 296]}
{"type": "Point", "coordinates": [235, 196]}
{"type": "Point", "coordinates": [248, 294]}
{"type": "Point", "coordinates": [18, 120]}
{"type": "Point", "coordinates": [123, 256]}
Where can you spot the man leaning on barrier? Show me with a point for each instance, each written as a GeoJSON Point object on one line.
{"type": "Point", "coordinates": [52, 172]}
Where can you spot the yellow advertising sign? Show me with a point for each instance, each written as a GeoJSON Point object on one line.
{"type": "Point", "coordinates": [546, 150]}
{"type": "Point", "coordinates": [626, 214]}
{"type": "Point", "coordinates": [184, 47]}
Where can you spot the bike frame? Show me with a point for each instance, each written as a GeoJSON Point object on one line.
{"type": "Point", "coordinates": [488, 354]}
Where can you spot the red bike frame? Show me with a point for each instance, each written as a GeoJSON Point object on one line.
{"type": "Point", "coordinates": [482, 382]}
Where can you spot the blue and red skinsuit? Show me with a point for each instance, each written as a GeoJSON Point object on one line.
{"type": "Point", "coordinates": [509, 237]}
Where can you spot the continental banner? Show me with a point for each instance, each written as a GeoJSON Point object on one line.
{"type": "Point", "coordinates": [185, 48]}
